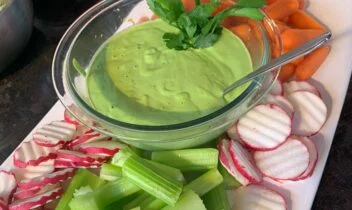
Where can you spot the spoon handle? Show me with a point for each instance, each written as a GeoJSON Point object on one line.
{"type": "Point", "coordinates": [285, 58]}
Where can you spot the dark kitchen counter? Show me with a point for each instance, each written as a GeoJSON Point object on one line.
{"type": "Point", "coordinates": [26, 94]}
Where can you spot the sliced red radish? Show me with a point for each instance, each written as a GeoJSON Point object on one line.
{"type": "Point", "coordinates": [81, 130]}
{"type": "Point", "coordinates": [31, 154]}
{"type": "Point", "coordinates": [280, 101]}
{"type": "Point", "coordinates": [294, 86]}
{"type": "Point", "coordinates": [313, 157]}
{"type": "Point", "coordinates": [87, 138]}
{"type": "Point", "coordinates": [265, 127]}
{"type": "Point", "coordinates": [103, 148]}
{"type": "Point", "coordinates": [310, 115]}
{"type": "Point", "coordinates": [243, 162]}
{"type": "Point", "coordinates": [258, 197]}
{"type": "Point", "coordinates": [65, 163]}
{"type": "Point", "coordinates": [54, 134]}
{"type": "Point", "coordinates": [226, 161]}
{"type": "Point", "coordinates": [68, 117]}
{"type": "Point", "coordinates": [3, 206]}
{"type": "Point", "coordinates": [74, 156]}
{"type": "Point", "coordinates": [7, 186]}
{"type": "Point", "coordinates": [36, 201]}
{"type": "Point", "coordinates": [30, 172]}
{"type": "Point", "coordinates": [52, 178]}
{"type": "Point", "coordinates": [286, 162]}
{"type": "Point", "coordinates": [22, 194]}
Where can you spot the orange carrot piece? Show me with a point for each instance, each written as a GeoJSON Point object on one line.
{"type": "Point", "coordinates": [303, 20]}
{"type": "Point", "coordinates": [243, 31]}
{"type": "Point", "coordinates": [302, 4]}
{"type": "Point", "coordinates": [224, 4]}
{"type": "Point", "coordinates": [286, 72]}
{"type": "Point", "coordinates": [297, 61]}
{"type": "Point", "coordinates": [189, 5]}
{"type": "Point", "coordinates": [282, 26]}
{"type": "Point", "coordinates": [269, 2]}
{"type": "Point", "coordinates": [292, 38]}
{"type": "Point", "coordinates": [233, 21]}
{"type": "Point", "coordinates": [311, 63]}
{"type": "Point", "coordinates": [281, 9]}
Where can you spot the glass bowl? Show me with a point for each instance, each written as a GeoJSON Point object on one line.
{"type": "Point", "coordinates": [98, 24]}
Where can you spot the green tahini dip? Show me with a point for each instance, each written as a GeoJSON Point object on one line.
{"type": "Point", "coordinates": [136, 79]}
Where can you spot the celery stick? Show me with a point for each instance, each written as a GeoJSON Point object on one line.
{"type": "Point", "coordinates": [122, 202]}
{"type": "Point", "coordinates": [137, 200]}
{"type": "Point", "coordinates": [152, 203]}
{"type": "Point", "coordinates": [216, 199]}
{"type": "Point", "coordinates": [172, 173]}
{"type": "Point", "coordinates": [82, 178]}
{"type": "Point", "coordinates": [205, 182]}
{"type": "Point", "coordinates": [189, 200]}
{"type": "Point", "coordinates": [114, 191]}
{"type": "Point", "coordinates": [229, 180]}
{"type": "Point", "coordinates": [84, 202]}
{"type": "Point", "coordinates": [110, 172]}
{"type": "Point", "coordinates": [188, 159]}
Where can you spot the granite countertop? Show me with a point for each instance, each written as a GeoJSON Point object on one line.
{"type": "Point", "coordinates": [27, 94]}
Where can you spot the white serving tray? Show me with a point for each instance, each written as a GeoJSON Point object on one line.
{"type": "Point", "coordinates": [333, 78]}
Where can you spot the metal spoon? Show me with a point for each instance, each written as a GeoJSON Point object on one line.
{"type": "Point", "coordinates": [283, 59]}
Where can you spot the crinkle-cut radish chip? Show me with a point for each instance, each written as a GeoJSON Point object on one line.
{"type": "Point", "coordinates": [310, 113]}
{"type": "Point", "coordinates": [65, 163]}
{"type": "Point", "coordinates": [244, 163]}
{"type": "Point", "coordinates": [104, 148]}
{"type": "Point", "coordinates": [286, 162]}
{"type": "Point", "coordinates": [54, 134]}
{"type": "Point", "coordinates": [36, 201]}
{"type": "Point", "coordinates": [30, 172]}
{"type": "Point", "coordinates": [74, 156]}
{"type": "Point", "coordinates": [87, 138]}
{"type": "Point", "coordinates": [226, 161]}
{"type": "Point", "coordinates": [68, 117]}
{"type": "Point", "coordinates": [313, 157]}
{"type": "Point", "coordinates": [281, 102]}
{"type": "Point", "coordinates": [31, 154]}
{"type": "Point", "coordinates": [265, 127]}
{"type": "Point", "coordinates": [53, 178]}
{"type": "Point", "coordinates": [22, 194]}
{"type": "Point", "coordinates": [81, 130]}
{"type": "Point", "coordinates": [7, 185]}
{"type": "Point", "coordinates": [294, 86]}
{"type": "Point", "coordinates": [257, 197]}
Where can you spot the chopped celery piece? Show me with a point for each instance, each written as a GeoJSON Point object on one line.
{"type": "Point", "coordinates": [216, 199]}
{"type": "Point", "coordinates": [205, 182]}
{"type": "Point", "coordinates": [114, 191]}
{"type": "Point", "coordinates": [137, 200]}
{"type": "Point", "coordinates": [83, 202]}
{"type": "Point", "coordinates": [188, 159]}
{"type": "Point", "coordinates": [119, 158]}
{"type": "Point", "coordinates": [152, 203]}
{"type": "Point", "coordinates": [188, 200]}
{"type": "Point", "coordinates": [82, 177]}
{"type": "Point", "coordinates": [229, 180]}
{"type": "Point", "coordinates": [169, 171]}
{"type": "Point", "coordinates": [110, 172]}
{"type": "Point", "coordinates": [82, 191]}
{"type": "Point", "coordinates": [122, 202]}
{"type": "Point", "coordinates": [136, 208]}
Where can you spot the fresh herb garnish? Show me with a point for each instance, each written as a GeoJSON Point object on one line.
{"type": "Point", "coordinates": [199, 28]}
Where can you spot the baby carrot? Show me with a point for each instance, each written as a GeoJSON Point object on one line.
{"type": "Point", "coordinates": [297, 61]}
{"type": "Point", "coordinates": [302, 4]}
{"type": "Point", "coordinates": [311, 63]}
{"type": "Point", "coordinates": [189, 5]}
{"type": "Point", "coordinates": [281, 25]}
{"type": "Point", "coordinates": [233, 21]}
{"type": "Point", "coordinates": [303, 20]}
{"type": "Point", "coordinates": [269, 2]}
{"type": "Point", "coordinates": [243, 31]}
{"type": "Point", "coordinates": [281, 9]}
{"type": "Point", "coordinates": [292, 38]}
{"type": "Point", "coordinates": [286, 72]}
{"type": "Point", "coordinates": [224, 4]}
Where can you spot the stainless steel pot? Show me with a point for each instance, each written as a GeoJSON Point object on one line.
{"type": "Point", "coordinates": [16, 23]}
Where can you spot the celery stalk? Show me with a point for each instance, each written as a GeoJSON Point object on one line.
{"type": "Point", "coordinates": [229, 180]}
{"type": "Point", "coordinates": [84, 202]}
{"type": "Point", "coordinates": [188, 159]}
{"type": "Point", "coordinates": [172, 173]}
{"type": "Point", "coordinates": [188, 200]}
{"type": "Point", "coordinates": [205, 182]}
{"type": "Point", "coordinates": [152, 203]}
{"type": "Point", "coordinates": [136, 201]}
{"type": "Point", "coordinates": [216, 199]}
{"type": "Point", "coordinates": [110, 172]}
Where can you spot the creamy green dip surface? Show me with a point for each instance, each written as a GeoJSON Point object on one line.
{"type": "Point", "coordinates": [136, 79]}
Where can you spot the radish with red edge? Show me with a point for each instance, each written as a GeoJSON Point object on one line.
{"type": "Point", "coordinates": [280, 101]}
{"type": "Point", "coordinates": [265, 127]}
{"type": "Point", "coordinates": [310, 115]}
{"type": "Point", "coordinates": [31, 154]}
{"type": "Point", "coordinates": [54, 134]}
{"type": "Point", "coordinates": [30, 172]}
{"type": "Point", "coordinates": [64, 163]}
{"type": "Point", "coordinates": [87, 138]}
{"type": "Point", "coordinates": [22, 194]}
{"type": "Point", "coordinates": [53, 178]}
{"type": "Point", "coordinates": [244, 163]}
{"type": "Point", "coordinates": [294, 86]}
{"type": "Point", "coordinates": [7, 186]}
{"type": "Point", "coordinates": [313, 157]}
{"type": "Point", "coordinates": [36, 201]}
{"type": "Point", "coordinates": [103, 148]}
{"type": "Point", "coordinates": [226, 161]}
{"type": "Point", "coordinates": [286, 162]}
{"type": "Point", "coordinates": [258, 197]}
{"type": "Point", "coordinates": [68, 117]}
{"type": "Point", "coordinates": [80, 131]}
{"type": "Point", "coordinates": [74, 156]}
{"type": "Point", "coordinates": [3, 206]}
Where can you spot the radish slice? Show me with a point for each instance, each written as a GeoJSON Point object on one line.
{"type": "Point", "coordinates": [265, 127]}
{"type": "Point", "coordinates": [54, 134]}
{"type": "Point", "coordinates": [52, 178]}
{"type": "Point", "coordinates": [294, 86]}
{"type": "Point", "coordinates": [87, 138]}
{"type": "Point", "coordinates": [65, 163]}
{"type": "Point", "coordinates": [281, 102]}
{"type": "Point", "coordinates": [3, 206]}
{"type": "Point", "coordinates": [74, 156]}
{"type": "Point", "coordinates": [31, 154]}
{"type": "Point", "coordinates": [313, 157]}
{"type": "Point", "coordinates": [226, 161]}
{"type": "Point", "coordinates": [286, 162]}
{"type": "Point", "coordinates": [30, 172]}
{"type": "Point", "coordinates": [243, 162]}
{"type": "Point", "coordinates": [103, 148]}
{"type": "Point", "coordinates": [22, 194]}
{"type": "Point", "coordinates": [68, 117]}
{"type": "Point", "coordinates": [36, 201]}
{"type": "Point", "coordinates": [310, 115]}
{"type": "Point", "coordinates": [7, 186]}
{"type": "Point", "coordinates": [82, 130]}
{"type": "Point", "coordinates": [257, 197]}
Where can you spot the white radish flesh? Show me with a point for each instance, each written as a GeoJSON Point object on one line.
{"type": "Point", "coordinates": [87, 138]}
{"type": "Point", "coordinates": [280, 101]}
{"type": "Point", "coordinates": [294, 86]}
{"type": "Point", "coordinates": [264, 127]}
{"type": "Point", "coordinates": [104, 148]}
{"type": "Point", "coordinates": [313, 157]}
{"type": "Point", "coordinates": [74, 156]}
{"type": "Point", "coordinates": [7, 186]}
{"type": "Point", "coordinates": [22, 194]}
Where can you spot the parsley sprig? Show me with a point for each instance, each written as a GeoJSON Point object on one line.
{"type": "Point", "coordinates": [198, 28]}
